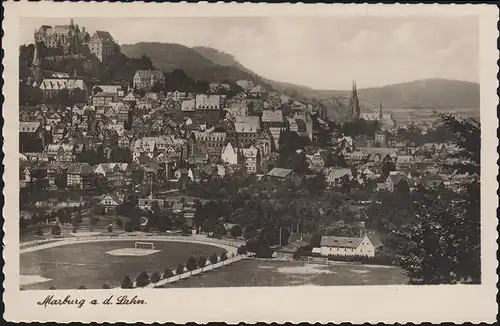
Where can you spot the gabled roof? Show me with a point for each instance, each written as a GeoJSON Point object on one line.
{"type": "Point", "coordinates": [80, 168]}
{"type": "Point", "coordinates": [374, 239]}
{"type": "Point", "coordinates": [340, 242]}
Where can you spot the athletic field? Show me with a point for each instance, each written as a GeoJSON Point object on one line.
{"type": "Point", "coordinates": [96, 263]}
{"type": "Point", "coordinates": [281, 273]}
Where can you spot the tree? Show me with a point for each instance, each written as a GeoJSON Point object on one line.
{"type": "Point", "coordinates": [167, 273]}
{"type": "Point", "coordinates": [236, 231]}
{"type": "Point", "coordinates": [94, 220]}
{"type": "Point", "coordinates": [126, 283]}
{"type": "Point", "coordinates": [443, 245]}
{"type": "Point", "coordinates": [387, 167]}
{"type": "Point", "coordinates": [142, 279]}
{"type": "Point", "coordinates": [82, 287]}
{"type": "Point", "coordinates": [129, 226]}
{"type": "Point", "coordinates": [179, 270]}
{"type": "Point", "coordinates": [191, 264]}
{"type": "Point", "coordinates": [242, 250]}
{"type": "Point", "coordinates": [106, 286]}
{"type": "Point", "coordinates": [56, 230]}
{"type": "Point", "coordinates": [213, 259]}
{"type": "Point", "coordinates": [202, 261]}
{"type": "Point", "coordinates": [155, 277]}
{"type": "Point", "coordinates": [223, 256]}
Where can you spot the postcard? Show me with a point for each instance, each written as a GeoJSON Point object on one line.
{"type": "Point", "coordinates": [250, 163]}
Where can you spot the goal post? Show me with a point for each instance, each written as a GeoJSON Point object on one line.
{"type": "Point", "coordinates": [144, 245]}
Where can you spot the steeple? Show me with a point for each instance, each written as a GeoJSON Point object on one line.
{"type": "Point", "coordinates": [380, 112]}
{"type": "Point", "coordinates": [354, 108]}
{"type": "Point", "coordinates": [35, 67]}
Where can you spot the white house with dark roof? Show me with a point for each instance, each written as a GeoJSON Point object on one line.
{"type": "Point", "coordinates": [350, 246]}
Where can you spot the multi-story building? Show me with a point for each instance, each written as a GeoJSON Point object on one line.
{"type": "Point", "coordinates": [114, 173]}
{"type": "Point", "coordinates": [69, 38]}
{"type": "Point", "coordinates": [146, 79]}
{"type": "Point", "coordinates": [102, 99]}
{"type": "Point", "coordinates": [212, 143]}
{"type": "Point", "coordinates": [102, 45]}
{"type": "Point", "coordinates": [80, 175]}
{"type": "Point", "coordinates": [208, 109]}
{"type": "Point", "coordinates": [247, 129]}
{"type": "Point", "coordinates": [273, 119]}
{"type": "Point", "coordinates": [52, 87]}
{"type": "Point", "coordinates": [251, 159]}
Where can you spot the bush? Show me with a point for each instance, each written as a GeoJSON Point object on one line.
{"type": "Point", "coordinates": [236, 231]}
{"type": "Point", "coordinates": [191, 264]}
{"type": "Point", "coordinates": [52, 287]}
{"type": "Point", "coordinates": [213, 259]}
{"type": "Point", "coordinates": [242, 250]}
{"type": "Point", "coordinates": [82, 287]}
{"type": "Point", "coordinates": [74, 230]}
{"type": "Point", "coordinates": [167, 273]}
{"type": "Point", "coordinates": [142, 279]}
{"type": "Point", "coordinates": [129, 226]}
{"type": "Point", "coordinates": [106, 286]}
{"type": "Point", "coordinates": [39, 231]}
{"type": "Point", "coordinates": [119, 222]}
{"type": "Point", "coordinates": [202, 261]}
{"type": "Point", "coordinates": [127, 283]}
{"type": "Point", "coordinates": [155, 277]}
{"type": "Point", "coordinates": [94, 220]}
{"type": "Point", "coordinates": [56, 230]}
{"type": "Point", "coordinates": [223, 256]}
{"type": "Point", "coordinates": [180, 269]}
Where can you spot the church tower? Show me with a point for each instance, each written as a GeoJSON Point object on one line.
{"type": "Point", "coordinates": [36, 67]}
{"type": "Point", "coordinates": [354, 108]}
{"type": "Point", "coordinates": [380, 112]}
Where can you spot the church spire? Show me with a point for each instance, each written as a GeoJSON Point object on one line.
{"type": "Point", "coordinates": [35, 67]}
{"type": "Point", "coordinates": [380, 111]}
{"type": "Point", "coordinates": [354, 108]}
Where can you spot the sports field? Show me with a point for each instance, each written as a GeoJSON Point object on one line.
{"type": "Point", "coordinates": [280, 273]}
{"type": "Point", "coordinates": [89, 264]}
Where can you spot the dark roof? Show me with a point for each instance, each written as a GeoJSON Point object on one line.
{"type": "Point", "coordinates": [104, 34]}
{"type": "Point", "coordinates": [374, 239]}
{"type": "Point", "coordinates": [80, 168]}
{"type": "Point", "coordinates": [342, 242]}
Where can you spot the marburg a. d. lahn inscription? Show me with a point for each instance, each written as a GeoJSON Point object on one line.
{"type": "Point", "coordinates": [51, 300]}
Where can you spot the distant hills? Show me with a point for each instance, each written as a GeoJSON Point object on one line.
{"type": "Point", "coordinates": [426, 93]}
{"type": "Point", "coordinates": [205, 63]}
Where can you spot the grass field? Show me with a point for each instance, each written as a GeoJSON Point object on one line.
{"type": "Point", "coordinates": [87, 264]}
{"type": "Point", "coordinates": [279, 273]}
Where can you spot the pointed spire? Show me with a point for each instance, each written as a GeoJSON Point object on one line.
{"type": "Point", "coordinates": [380, 111]}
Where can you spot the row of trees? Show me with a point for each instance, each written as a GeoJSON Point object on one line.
{"type": "Point", "coordinates": [144, 278]}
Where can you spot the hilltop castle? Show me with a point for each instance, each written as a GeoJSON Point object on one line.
{"type": "Point", "coordinates": [71, 40]}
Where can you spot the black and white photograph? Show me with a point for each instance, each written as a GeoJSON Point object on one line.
{"type": "Point", "coordinates": [239, 151]}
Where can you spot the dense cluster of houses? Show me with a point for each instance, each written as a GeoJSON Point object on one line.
{"type": "Point", "coordinates": [133, 139]}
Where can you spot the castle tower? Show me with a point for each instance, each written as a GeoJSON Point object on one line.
{"type": "Point", "coordinates": [354, 108]}
{"type": "Point", "coordinates": [35, 67]}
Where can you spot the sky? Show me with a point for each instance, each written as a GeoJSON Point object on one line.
{"type": "Point", "coordinates": [318, 52]}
